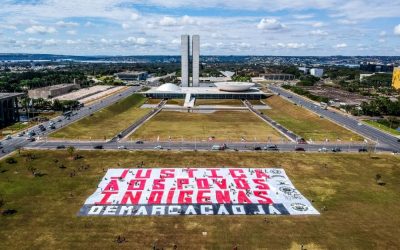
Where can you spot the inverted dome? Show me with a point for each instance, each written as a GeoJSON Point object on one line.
{"type": "Point", "coordinates": [169, 87]}
{"type": "Point", "coordinates": [234, 86]}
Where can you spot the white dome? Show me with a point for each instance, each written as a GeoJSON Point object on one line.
{"type": "Point", "coordinates": [234, 86]}
{"type": "Point", "coordinates": [169, 87]}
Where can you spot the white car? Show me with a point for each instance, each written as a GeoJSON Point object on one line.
{"type": "Point", "coordinates": [8, 137]}
{"type": "Point", "coordinates": [323, 150]}
{"type": "Point", "coordinates": [121, 147]}
{"type": "Point", "coordinates": [158, 147]}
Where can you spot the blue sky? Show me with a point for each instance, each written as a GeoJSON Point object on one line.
{"type": "Point", "coordinates": [230, 27]}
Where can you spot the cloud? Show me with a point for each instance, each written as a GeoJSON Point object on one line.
{"type": "Point", "coordinates": [347, 21]}
{"type": "Point", "coordinates": [39, 29]}
{"type": "Point", "coordinates": [63, 24]}
{"type": "Point", "coordinates": [270, 24]}
{"type": "Point", "coordinates": [8, 27]}
{"type": "Point", "coordinates": [396, 30]}
{"type": "Point", "coordinates": [318, 24]}
{"type": "Point", "coordinates": [71, 32]}
{"type": "Point", "coordinates": [290, 45]}
{"type": "Point", "coordinates": [182, 21]}
{"type": "Point", "coordinates": [340, 45]}
{"type": "Point", "coordinates": [303, 16]}
{"type": "Point", "coordinates": [382, 34]}
{"type": "Point", "coordinates": [135, 16]}
{"type": "Point", "coordinates": [318, 33]}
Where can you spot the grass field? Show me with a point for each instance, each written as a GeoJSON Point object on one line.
{"type": "Point", "coordinates": [305, 123]}
{"type": "Point", "coordinates": [223, 125]}
{"type": "Point", "coordinates": [382, 127]}
{"type": "Point", "coordinates": [230, 102]}
{"type": "Point", "coordinates": [107, 122]}
{"type": "Point", "coordinates": [359, 213]}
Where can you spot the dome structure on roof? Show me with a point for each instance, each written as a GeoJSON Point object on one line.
{"type": "Point", "coordinates": [234, 86]}
{"type": "Point", "coordinates": [169, 87]}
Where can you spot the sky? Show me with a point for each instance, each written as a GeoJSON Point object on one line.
{"type": "Point", "coordinates": [226, 27]}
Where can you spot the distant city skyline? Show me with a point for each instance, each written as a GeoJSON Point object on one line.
{"type": "Point", "coordinates": [154, 27]}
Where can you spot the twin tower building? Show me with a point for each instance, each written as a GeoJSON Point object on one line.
{"type": "Point", "coordinates": [185, 60]}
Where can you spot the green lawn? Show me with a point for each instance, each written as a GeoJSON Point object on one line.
{"type": "Point", "coordinates": [230, 102]}
{"type": "Point", "coordinates": [358, 214]}
{"type": "Point", "coordinates": [223, 125]}
{"type": "Point", "coordinates": [305, 123]}
{"type": "Point", "coordinates": [382, 127]}
{"type": "Point", "coordinates": [107, 122]}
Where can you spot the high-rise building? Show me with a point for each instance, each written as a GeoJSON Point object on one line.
{"type": "Point", "coordinates": [185, 60]}
{"type": "Point", "coordinates": [195, 60]}
{"type": "Point", "coordinates": [316, 72]}
{"type": "Point", "coordinates": [396, 78]}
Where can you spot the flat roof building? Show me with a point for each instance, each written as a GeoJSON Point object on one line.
{"type": "Point", "coordinates": [132, 75]}
{"type": "Point", "coordinates": [52, 91]}
{"type": "Point", "coordinates": [9, 108]}
{"type": "Point", "coordinates": [278, 77]}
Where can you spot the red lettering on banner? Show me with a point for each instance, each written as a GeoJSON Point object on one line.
{"type": "Point", "coordinates": [158, 184]}
{"type": "Point", "coordinates": [202, 183]}
{"type": "Point", "coordinates": [131, 198]}
{"type": "Point", "coordinates": [185, 197]}
{"type": "Point", "coordinates": [139, 174]}
{"type": "Point", "coordinates": [242, 197]}
{"type": "Point", "coordinates": [202, 198]}
{"type": "Point", "coordinates": [181, 182]}
{"type": "Point", "coordinates": [136, 184]}
{"type": "Point", "coordinates": [263, 195]}
{"type": "Point", "coordinates": [261, 174]}
{"type": "Point", "coordinates": [261, 184]}
{"type": "Point", "coordinates": [214, 173]}
{"type": "Point", "coordinates": [155, 197]}
{"type": "Point", "coordinates": [191, 171]}
{"type": "Point", "coordinates": [241, 184]}
{"type": "Point", "coordinates": [112, 186]}
{"type": "Point", "coordinates": [234, 175]}
{"type": "Point", "coordinates": [222, 196]}
{"type": "Point", "coordinates": [106, 196]}
{"type": "Point", "coordinates": [167, 173]}
{"type": "Point", "coordinates": [221, 184]}
{"type": "Point", "coordinates": [170, 195]}
{"type": "Point", "coordinates": [123, 175]}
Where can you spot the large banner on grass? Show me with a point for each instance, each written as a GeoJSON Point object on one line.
{"type": "Point", "coordinates": [196, 191]}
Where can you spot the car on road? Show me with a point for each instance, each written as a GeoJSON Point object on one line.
{"type": "Point", "coordinates": [299, 149]}
{"type": "Point", "coordinates": [121, 147]}
{"type": "Point", "coordinates": [301, 141]}
{"type": "Point", "coordinates": [219, 147]}
{"type": "Point", "coordinates": [21, 134]}
{"type": "Point", "coordinates": [398, 140]}
{"type": "Point", "coordinates": [336, 150]}
{"type": "Point", "coordinates": [257, 148]}
{"type": "Point", "coordinates": [323, 150]}
{"type": "Point", "coordinates": [8, 137]}
{"type": "Point", "coordinates": [32, 133]}
{"type": "Point", "coordinates": [98, 147]}
{"type": "Point", "coordinates": [158, 147]}
{"type": "Point", "coordinates": [60, 147]}
{"type": "Point", "coordinates": [139, 142]}
{"type": "Point", "coordinates": [362, 150]}
{"type": "Point", "coordinates": [271, 148]}
{"type": "Point", "coordinates": [31, 139]}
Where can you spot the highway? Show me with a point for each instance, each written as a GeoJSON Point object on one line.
{"type": "Point", "coordinates": [9, 145]}
{"type": "Point", "coordinates": [383, 139]}
{"type": "Point", "coordinates": [201, 146]}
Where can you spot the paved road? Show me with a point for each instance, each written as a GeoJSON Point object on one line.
{"type": "Point", "coordinates": [61, 121]}
{"type": "Point", "coordinates": [383, 139]}
{"type": "Point", "coordinates": [241, 146]}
